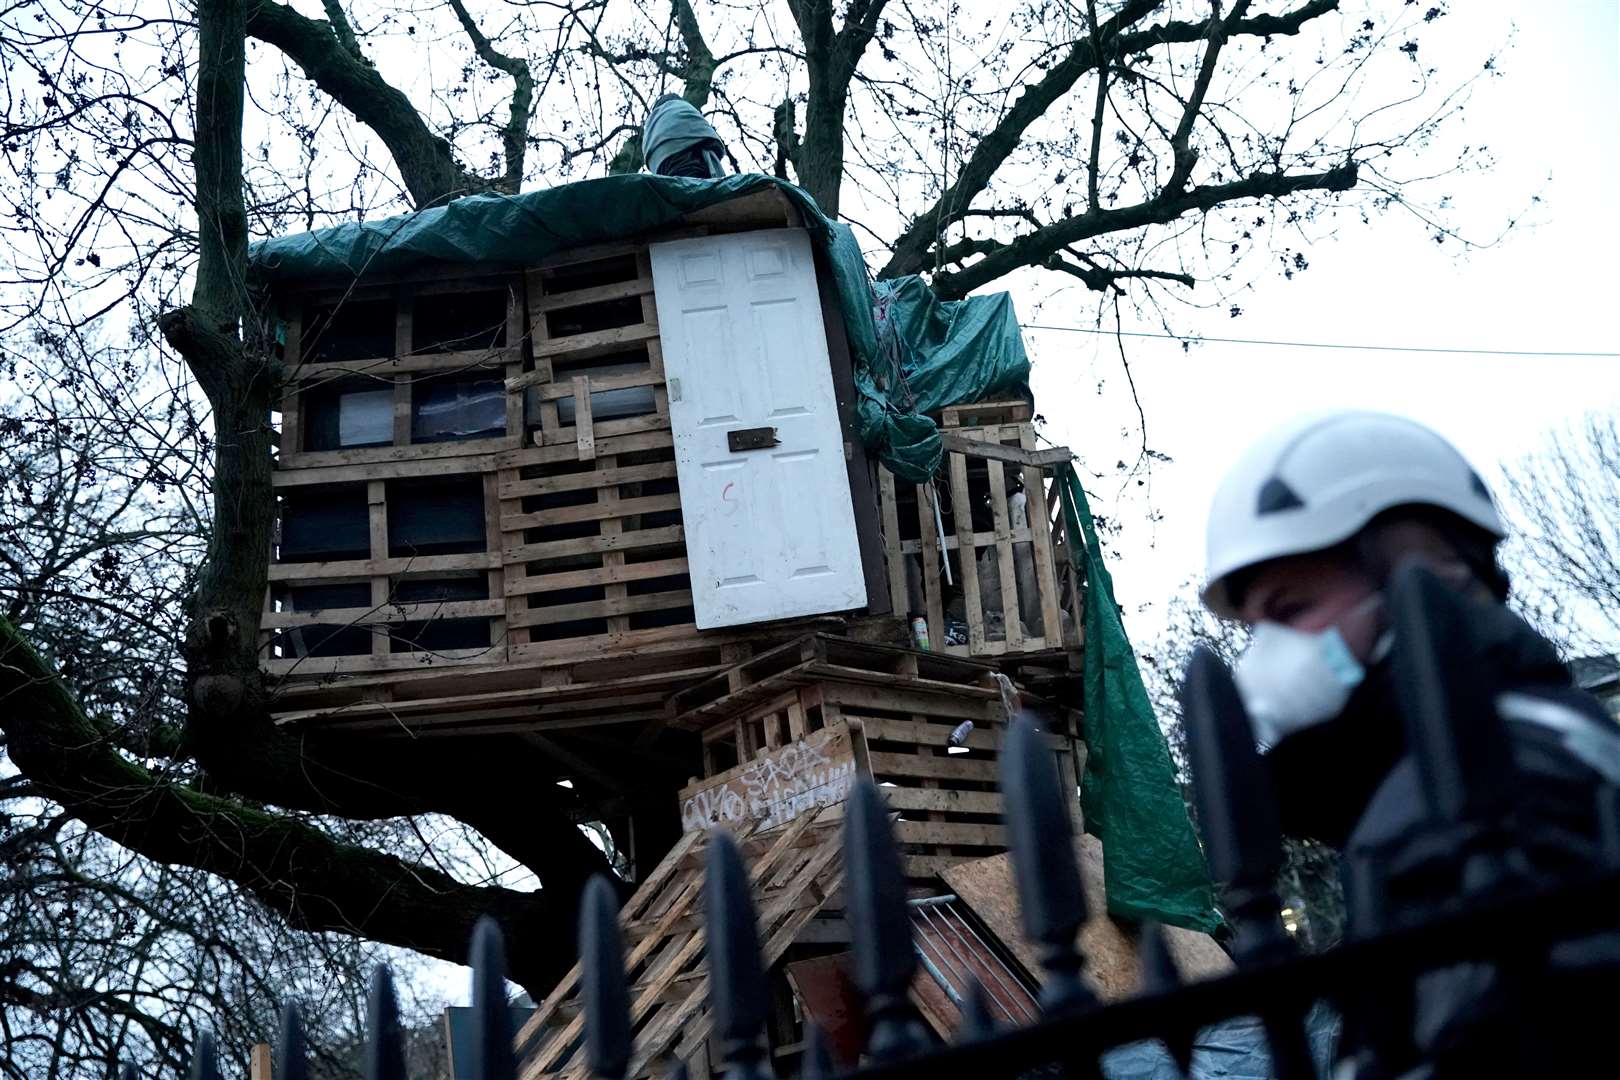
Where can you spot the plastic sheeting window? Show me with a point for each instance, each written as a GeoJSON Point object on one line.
{"type": "Point", "coordinates": [323, 523]}
{"type": "Point", "coordinates": [342, 415]}
{"type": "Point", "coordinates": [605, 404]}
{"type": "Point", "coordinates": [436, 516]}
{"type": "Point", "coordinates": [465, 406]}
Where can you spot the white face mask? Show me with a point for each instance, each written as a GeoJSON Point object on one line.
{"type": "Point", "coordinates": [1294, 679]}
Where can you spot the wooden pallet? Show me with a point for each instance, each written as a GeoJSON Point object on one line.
{"type": "Point", "coordinates": [794, 869]}
{"type": "Point", "coordinates": [1004, 574]}
{"type": "Point", "coordinates": [592, 540]}
{"type": "Point", "coordinates": [900, 723]}
{"type": "Point", "coordinates": [376, 333]}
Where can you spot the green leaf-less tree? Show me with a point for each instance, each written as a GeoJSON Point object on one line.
{"type": "Point", "coordinates": [1132, 146]}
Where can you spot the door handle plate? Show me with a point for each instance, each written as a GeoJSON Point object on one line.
{"type": "Point", "coordinates": [759, 438]}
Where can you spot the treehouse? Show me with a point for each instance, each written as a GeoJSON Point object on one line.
{"type": "Point", "coordinates": [644, 470]}
{"type": "Point", "coordinates": [544, 478]}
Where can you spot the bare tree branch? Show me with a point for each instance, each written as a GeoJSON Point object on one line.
{"type": "Point", "coordinates": [425, 160]}
{"type": "Point", "coordinates": [514, 134]}
{"type": "Point", "coordinates": [1034, 248]}
{"type": "Point", "coordinates": [910, 251]}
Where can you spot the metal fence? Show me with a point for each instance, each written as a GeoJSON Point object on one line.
{"type": "Point", "coordinates": [1499, 915]}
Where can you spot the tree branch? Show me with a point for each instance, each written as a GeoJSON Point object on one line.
{"type": "Point", "coordinates": [311, 879]}
{"type": "Point", "coordinates": [514, 134]}
{"type": "Point", "coordinates": [1184, 156]}
{"type": "Point", "coordinates": [425, 160]}
{"type": "Point", "coordinates": [1101, 279]}
{"type": "Point", "coordinates": [910, 251]}
{"type": "Point", "coordinates": [697, 79]}
{"type": "Point", "coordinates": [1035, 248]}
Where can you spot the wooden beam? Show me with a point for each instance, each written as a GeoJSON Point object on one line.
{"type": "Point", "coordinates": [961, 444]}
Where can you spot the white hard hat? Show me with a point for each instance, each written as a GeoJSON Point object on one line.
{"type": "Point", "coordinates": [1317, 481]}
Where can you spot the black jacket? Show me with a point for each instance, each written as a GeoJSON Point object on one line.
{"type": "Point", "coordinates": [1352, 784]}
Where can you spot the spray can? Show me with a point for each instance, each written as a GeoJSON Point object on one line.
{"type": "Point", "coordinates": [919, 632]}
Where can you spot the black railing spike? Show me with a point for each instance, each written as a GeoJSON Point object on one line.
{"type": "Point", "coordinates": [1237, 812]}
{"type": "Point", "coordinates": [603, 992]}
{"type": "Point", "coordinates": [1040, 834]}
{"type": "Point", "coordinates": [385, 1048]}
{"type": "Point", "coordinates": [977, 1020]}
{"type": "Point", "coordinates": [493, 1056]}
{"type": "Point", "coordinates": [818, 1060]}
{"type": "Point", "coordinates": [737, 989]}
{"type": "Point", "coordinates": [884, 959]}
{"type": "Point", "coordinates": [1160, 975]}
{"type": "Point", "coordinates": [292, 1053]}
{"type": "Point", "coordinates": [204, 1059]}
{"type": "Point", "coordinates": [1451, 722]}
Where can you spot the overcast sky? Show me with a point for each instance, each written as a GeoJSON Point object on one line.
{"type": "Point", "coordinates": [1553, 122]}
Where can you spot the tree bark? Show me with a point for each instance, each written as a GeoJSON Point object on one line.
{"type": "Point", "coordinates": [313, 880]}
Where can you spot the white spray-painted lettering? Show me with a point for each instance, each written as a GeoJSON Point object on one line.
{"type": "Point", "coordinates": [772, 790]}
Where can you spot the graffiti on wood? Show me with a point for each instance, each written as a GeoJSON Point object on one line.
{"type": "Point", "coordinates": [777, 786]}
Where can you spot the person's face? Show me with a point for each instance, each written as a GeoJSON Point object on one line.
{"type": "Point", "coordinates": [1311, 593]}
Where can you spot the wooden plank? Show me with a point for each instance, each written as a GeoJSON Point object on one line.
{"type": "Point", "coordinates": [933, 597]}
{"type": "Point", "coordinates": [555, 391]}
{"type": "Point", "coordinates": [377, 508]}
{"type": "Point", "coordinates": [605, 447]}
{"type": "Point", "coordinates": [326, 665]}
{"type": "Point", "coordinates": [986, 411]}
{"type": "Point", "coordinates": [584, 433]}
{"type": "Point", "coordinates": [494, 579]}
{"type": "Point", "coordinates": [585, 545]}
{"type": "Point", "coordinates": [618, 290]}
{"type": "Point", "coordinates": [889, 509]}
{"type": "Point", "coordinates": [388, 366]}
{"type": "Point", "coordinates": [476, 460]}
{"type": "Point", "coordinates": [361, 568]}
{"type": "Point", "coordinates": [980, 539]}
{"type": "Point", "coordinates": [259, 1062]}
{"type": "Point", "coordinates": [374, 455]}
{"type": "Point", "coordinates": [967, 561]}
{"type": "Point", "coordinates": [597, 341]}
{"type": "Point", "coordinates": [802, 777]}
{"type": "Point", "coordinates": [943, 800]}
{"type": "Point", "coordinates": [601, 609]}
{"type": "Point", "coordinates": [563, 434]}
{"type": "Point", "coordinates": [402, 411]}
{"type": "Point", "coordinates": [519, 584]}
{"type": "Point", "coordinates": [1013, 455]}
{"type": "Point", "coordinates": [627, 474]}
{"type": "Point", "coordinates": [857, 700]}
{"type": "Point", "coordinates": [1011, 617]}
{"type": "Point", "coordinates": [939, 767]}
{"type": "Point", "coordinates": [1041, 540]}
{"type": "Point", "coordinates": [384, 611]}
{"type": "Point", "coordinates": [597, 511]}
{"type": "Point", "coordinates": [951, 833]}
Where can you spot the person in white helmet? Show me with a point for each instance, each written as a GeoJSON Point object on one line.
{"type": "Point", "coordinates": [1304, 534]}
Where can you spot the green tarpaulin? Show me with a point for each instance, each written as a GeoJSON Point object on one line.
{"type": "Point", "coordinates": [1152, 864]}
{"type": "Point", "coordinates": [945, 352]}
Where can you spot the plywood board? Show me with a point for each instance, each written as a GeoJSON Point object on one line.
{"type": "Point", "coordinates": [987, 887]}
{"type": "Point", "coordinates": [777, 786]}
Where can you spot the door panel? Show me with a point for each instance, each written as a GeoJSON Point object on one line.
{"type": "Point", "coordinates": [770, 532]}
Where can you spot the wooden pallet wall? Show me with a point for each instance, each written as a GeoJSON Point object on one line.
{"type": "Point", "coordinates": [400, 363]}
{"type": "Point", "coordinates": [927, 525]}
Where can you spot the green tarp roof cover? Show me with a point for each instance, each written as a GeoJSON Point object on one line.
{"type": "Point", "coordinates": [913, 354]}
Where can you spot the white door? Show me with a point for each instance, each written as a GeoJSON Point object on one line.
{"type": "Point", "coordinates": [770, 530]}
